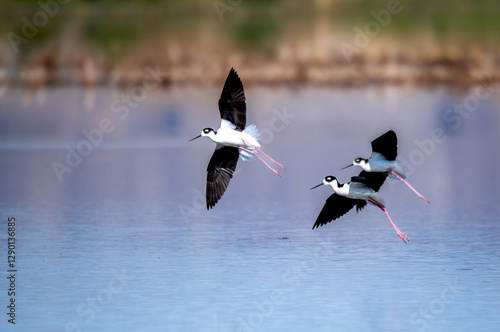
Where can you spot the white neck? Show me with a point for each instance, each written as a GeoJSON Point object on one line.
{"type": "Point", "coordinates": [365, 165]}
{"type": "Point", "coordinates": [343, 191]}
{"type": "Point", "coordinates": [212, 136]}
{"type": "Point", "coordinates": [335, 185]}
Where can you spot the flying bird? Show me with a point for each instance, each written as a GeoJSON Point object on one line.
{"type": "Point", "coordinates": [383, 159]}
{"type": "Point", "coordinates": [233, 140]}
{"type": "Point", "coordinates": [360, 190]}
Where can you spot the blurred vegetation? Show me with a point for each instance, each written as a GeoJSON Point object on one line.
{"type": "Point", "coordinates": [252, 22]}
{"type": "Point", "coordinates": [111, 32]}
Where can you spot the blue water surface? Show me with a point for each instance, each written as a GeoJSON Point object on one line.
{"type": "Point", "coordinates": [112, 232]}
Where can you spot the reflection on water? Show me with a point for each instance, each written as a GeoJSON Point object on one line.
{"type": "Point", "coordinates": [124, 242]}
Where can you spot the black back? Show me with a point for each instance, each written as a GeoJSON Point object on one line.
{"type": "Point", "coordinates": [373, 180]}
{"type": "Point", "coordinates": [232, 104]}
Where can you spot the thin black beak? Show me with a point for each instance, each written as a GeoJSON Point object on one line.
{"type": "Point", "coordinates": [316, 186]}
{"type": "Point", "coordinates": [347, 166]}
{"type": "Point", "coordinates": [192, 139]}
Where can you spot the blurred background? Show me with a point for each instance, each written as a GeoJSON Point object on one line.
{"type": "Point", "coordinates": [92, 42]}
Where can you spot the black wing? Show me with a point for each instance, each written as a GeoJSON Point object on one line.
{"type": "Point", "coordinates": [387, 145]}
{"type": "Point", "coordinates": [232, 105]}
{"type": "Point", "coordinates": [373, 180]}
{"type": "Point", "coordinates": [335, 207]}
{"type": "Point", "coordinates": [219, 173]}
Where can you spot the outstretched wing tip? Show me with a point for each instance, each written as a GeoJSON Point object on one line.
{"type": "Point", "coordinates": [335, 207]}
{"type": "Point", "coordinates": [386, 144]}
{"type": "Point", "coordinates": [232, 105]}
{"type": "Point", "coordinates": [219, 173]}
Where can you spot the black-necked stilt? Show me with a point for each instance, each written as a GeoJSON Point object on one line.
{"type": "Point", "coordinates": [232, 138]}
{"type": "Point", "coordinates": [360, 190]}
{"type": "Point", "coordinates": [383, 159]}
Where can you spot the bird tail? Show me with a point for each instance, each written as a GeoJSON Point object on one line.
{"type": "Point", "coordinates": [376, 200]}
{"type": "Point", "coordinates": [398, 169]}
{"type": "Point", "coordinates": [245, 155]}
{"type": "Point", "coordinates": [252, 131]}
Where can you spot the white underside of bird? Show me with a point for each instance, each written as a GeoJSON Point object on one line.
{"type": "Point", "coordinates": [357, 190]}
{"type": "Point", "coordinates": [227, 135]}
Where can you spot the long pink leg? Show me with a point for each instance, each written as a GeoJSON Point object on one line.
{"type": "Point", "coordinates": [255, 154]}
{"type": "Point", "coordinates": [409, 185]}
{"type": "Point", "coordinates": [401, 235]}
{"type": "Point", "coordinates": [274, 161]}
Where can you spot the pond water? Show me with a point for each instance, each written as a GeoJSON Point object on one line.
{"type": "Point", "coordinates": [112, 233]}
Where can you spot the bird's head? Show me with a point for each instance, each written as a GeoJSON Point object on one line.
{"type": "Point", "coordinates": [209, 132]}
{"type": "Point", "coordinates": [328, 180]}
{"type": "Point", "coordinates": [358, 162]}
